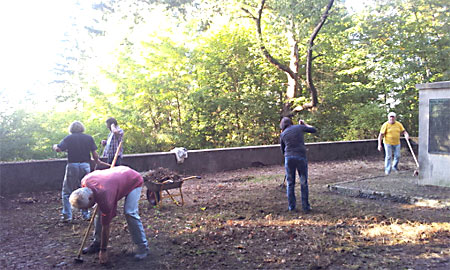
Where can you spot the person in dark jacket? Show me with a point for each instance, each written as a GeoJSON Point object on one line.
{"type": "Point", "coordinates": [79, 147]}
{"type": "Point", "coordinates": [294, 151]}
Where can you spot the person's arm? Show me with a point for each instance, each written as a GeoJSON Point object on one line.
{"type": "Point", "coordinates": [282, 145]}
{"type": "Point", "coordinates": [103, 254]}
{"type": "Point", "coordinates": [98, 160]}
{"type": "Point", "coordinates": [302, 122]}
{"type": "Point", "coordinates": [405, 133]}
{"type": "Point", "coordinates": [62, 146]}
{"type": "Point", "coordinates": [115, 129]}
{"type": "Point", "coordinates": [309, 128]}
{"type": "Point", "coordinates": [380, 139]}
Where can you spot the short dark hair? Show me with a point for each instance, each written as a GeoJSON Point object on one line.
{"type": "Point", "coordinates": [111, 121]}
{"type": "Point", "coordinates": [285, 123]}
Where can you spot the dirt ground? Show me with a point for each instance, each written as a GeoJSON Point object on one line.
{"type": "Point", "coordinates": [239, 220]}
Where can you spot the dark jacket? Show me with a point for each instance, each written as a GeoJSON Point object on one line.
{"type": "Point", "coordinates": [292, 142]}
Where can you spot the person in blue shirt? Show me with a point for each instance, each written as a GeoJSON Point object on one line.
{"type": "Point", "coordinates": [294, 151]}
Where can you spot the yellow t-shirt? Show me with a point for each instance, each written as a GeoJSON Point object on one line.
{"type": "Point", "coordinates": [392, 132]}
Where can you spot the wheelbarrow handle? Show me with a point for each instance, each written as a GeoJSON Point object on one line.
{"type": "Point", "coordinates": [182, 179]}
{"type": "Point", "coordinates": [191, 177]}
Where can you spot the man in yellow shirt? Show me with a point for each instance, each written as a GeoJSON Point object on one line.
{"type": "Point", "coordinates": [390, 133]}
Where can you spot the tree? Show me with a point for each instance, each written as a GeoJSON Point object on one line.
{"type": "Point", "coordinates": [409, 44]}
{"type": "Point", "coordinates": [238, 96]}
{"type": "Point", "coordinates": [15, 140]}
{"type": "Point", "coordinates": [293, 16]}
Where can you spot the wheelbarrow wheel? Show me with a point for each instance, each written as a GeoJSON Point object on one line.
{"type": "Point", "coordinates": [153, 197]}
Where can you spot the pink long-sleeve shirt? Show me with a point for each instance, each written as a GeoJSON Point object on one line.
{"type": "Point", "coordinates": [109, 186]}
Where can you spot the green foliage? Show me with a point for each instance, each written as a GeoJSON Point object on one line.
{"type": "Point", "coordinates": [31, 136]}
{"type": "Point", "coordinates": [407, 44]}
{"type": "Point", "coordinates": [220, 94]}
{"type": "Point", "coordinates": [200, 82]}
{"type": "Point", "coordinates": [15, 140]}
{"type": "Point", "coordinates": [364, 122]}
{"type": "Point", "coordinates": [237, 102]}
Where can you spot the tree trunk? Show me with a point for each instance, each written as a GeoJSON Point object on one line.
{"type": "Point", "coordinates": [293, 87]}
{"type": "Point", "coordinates": [293, 68]}
{"type": "Point", "coordinates": [309, 58]}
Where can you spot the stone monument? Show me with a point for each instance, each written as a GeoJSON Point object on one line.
{"type": "Point", "coordinates": [434, 133]}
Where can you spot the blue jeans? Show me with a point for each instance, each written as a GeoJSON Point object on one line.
{"type": "Point", "coordinates": [131, 211]}
{"type": "Point", "coordinates": [72, 180]}
{"type": "Point", "coordinates": [390, 149]}
{"type": "Point", "coordinates": [299, 164]}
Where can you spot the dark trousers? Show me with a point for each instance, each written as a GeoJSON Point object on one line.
{"type": "Point", "coordinates": [292, 165]}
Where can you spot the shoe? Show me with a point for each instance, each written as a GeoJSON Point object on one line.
{"type": "Point", "coordinates": [65, 219]}
{"type": "Point", "coordinates": [307, 210]}
{"type": "Point", "coordinates": [93, 248]}
{"type": "Point", "coordinates": [140, 255]}
{"type": "Point", "coordinates": [293, 210]}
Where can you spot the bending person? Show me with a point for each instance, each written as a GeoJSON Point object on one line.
{"type": "Point", "coordinates": [106, 188]}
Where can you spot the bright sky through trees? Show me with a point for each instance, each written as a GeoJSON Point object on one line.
{"type": "Point", "coordinates": [31, 41]}
{"type": "Point", "coordinates": [31, 38]}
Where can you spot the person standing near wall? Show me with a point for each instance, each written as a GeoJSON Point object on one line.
{"type": "Point", "coordinates": [112, 143]}
{"type": "Point", "coordinates": [294, 151]}
{"type": "Point", "coordinates": [390, 134]}
{"type": "Point", "coordinates": [79, 147]}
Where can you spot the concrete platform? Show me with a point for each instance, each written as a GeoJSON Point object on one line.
{"type": "Point", "coordinates": [400, 187]}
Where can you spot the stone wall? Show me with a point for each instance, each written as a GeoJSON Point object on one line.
{"type": "Point", "coordinates": [35, 176]}
{"type": "Point", "coordinates": [434, 133]}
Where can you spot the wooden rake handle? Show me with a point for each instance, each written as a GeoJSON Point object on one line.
{"type": "Point", "coordinates": [412, 152]}
{"type": "Point", "coordinates": [83, 242]}
{"type": "Point", "coordinates": [191, 177]}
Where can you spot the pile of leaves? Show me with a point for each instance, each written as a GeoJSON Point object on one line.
{"type": "Point", "coordinates": [160, 175]}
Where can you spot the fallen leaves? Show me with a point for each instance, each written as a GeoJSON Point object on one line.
{"type": "Point", "coordinates": [398, 233]}
{"type": "Point", "coordinates": [238, 220]}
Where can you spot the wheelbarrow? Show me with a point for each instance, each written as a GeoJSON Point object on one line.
{"type": "Point", "coordinates": [155, 191]}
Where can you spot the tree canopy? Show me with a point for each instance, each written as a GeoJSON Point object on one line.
{"type": "Point", "coordinates": [211, 74]}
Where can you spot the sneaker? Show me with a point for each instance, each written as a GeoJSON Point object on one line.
{"type": "Point", "coordinates": [65, 219]}
{"type": "Point", "coordinates": [307, 210]}
{"type": "Point", "coordinates": [141, 254]}
{"type": "Point", "coordinates": [93, 248]}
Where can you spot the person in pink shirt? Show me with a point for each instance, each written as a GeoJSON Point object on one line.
{"type": "Point", "coordinates": [106, 188]}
